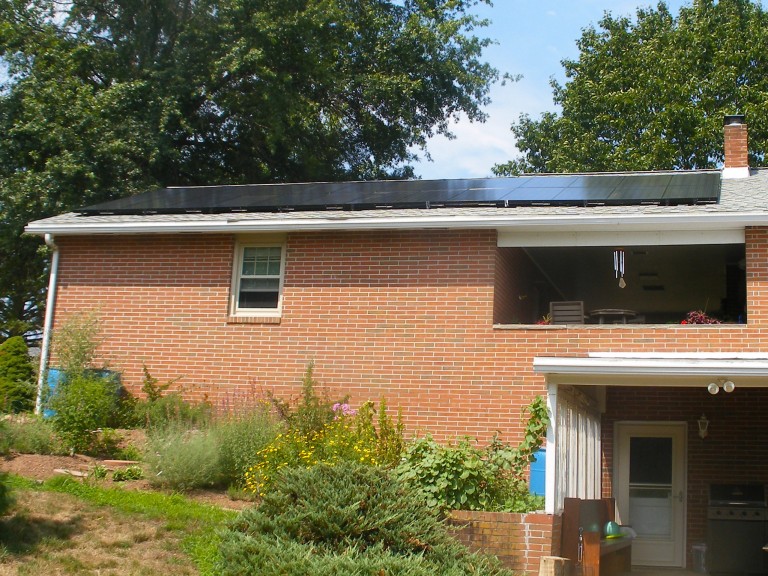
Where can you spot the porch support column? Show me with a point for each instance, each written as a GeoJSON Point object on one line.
{"type": "Point", "coordinates": [550, 470]}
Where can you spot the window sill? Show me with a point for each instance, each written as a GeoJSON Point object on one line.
{"type": "Point", "coordinates": [254, 320]}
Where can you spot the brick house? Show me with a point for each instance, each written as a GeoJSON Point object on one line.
{"type": "Point", "coordinates": [439, 308]}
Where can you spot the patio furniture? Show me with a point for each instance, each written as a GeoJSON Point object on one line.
{"type": "Point", "coordinates": [612, 315]}
{"type": "Point", "coordinates": [582, 542]}
{"type": "Point", "coordinates": [567, 312]}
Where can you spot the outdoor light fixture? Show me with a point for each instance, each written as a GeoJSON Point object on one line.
{"type": "Point", "coordinates": [703, 426]}
{"type": "Point", "coordinates": [714, 387]}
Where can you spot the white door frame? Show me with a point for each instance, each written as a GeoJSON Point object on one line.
{"type": "Point", "coordinates": [646, 551]}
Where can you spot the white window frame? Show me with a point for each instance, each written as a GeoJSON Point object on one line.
{"type": "Point", "coordinates": [240, 247]}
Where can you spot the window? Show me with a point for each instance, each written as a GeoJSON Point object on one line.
{"type": "Point", "coordinates": [258, 279]}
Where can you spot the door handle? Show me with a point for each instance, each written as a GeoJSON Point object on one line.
{"type": "Point", "coordinates": [680, 496]}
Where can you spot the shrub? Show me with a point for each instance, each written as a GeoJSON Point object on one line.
{"type": "Point", "coordinates": [344, 520]}
{"type": "Point", "coordinates": [76, 341]}
{"type": "Point", "coordinates": [17, 390]}
{"type": "Point", "coordinates": [463, 477]}
{"type": "Point", "coordinates": [240, 439]}
{"type": "Point", "coordinates": [81, 406]}
{"type": "Point", "coordinates": [32, 435]}
{"type": "Point", "coordinates": [183, 459]}
{"type": "Point", "coordinates": [349, 437]}
{"type": "Point", "coordinates": [161, 408]}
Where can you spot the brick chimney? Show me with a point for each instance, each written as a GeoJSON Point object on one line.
{"type": "Point", "coordinates": [736, 156]}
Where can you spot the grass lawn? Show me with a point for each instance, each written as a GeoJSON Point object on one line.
{"type": "Point", "coordinates": [63, 526]}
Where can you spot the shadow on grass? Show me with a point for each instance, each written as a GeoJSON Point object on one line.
{"type": "Point", "coordinates": [21, 534]}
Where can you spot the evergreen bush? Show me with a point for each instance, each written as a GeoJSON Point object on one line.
{"type": "Point", "coordinates": [17, 389]}
{"type": "Point", "coordinates": [343, 520]}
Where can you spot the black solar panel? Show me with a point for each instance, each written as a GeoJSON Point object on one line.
{"type": "Point", "coordinates": [556, 190]}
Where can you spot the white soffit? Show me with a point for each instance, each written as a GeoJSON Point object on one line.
{"type": "Point", "coordinates": [624, 237]}
{"type": "Point", "coordinates": [659, 370]}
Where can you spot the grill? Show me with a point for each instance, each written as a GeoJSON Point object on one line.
{"type": "Point", "coordinates": [737, 518]}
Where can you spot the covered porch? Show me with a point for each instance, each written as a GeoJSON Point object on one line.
{"type": "Point", "coordinates": [657, 431]}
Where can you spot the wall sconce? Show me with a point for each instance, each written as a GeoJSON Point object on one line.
{"type": "Point", "coordinates": [714, 387]}
{"type": "Point", "coordinates": [703, 426]}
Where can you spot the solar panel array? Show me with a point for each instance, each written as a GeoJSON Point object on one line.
{"type": "Point", "coordinates": [667, 188]}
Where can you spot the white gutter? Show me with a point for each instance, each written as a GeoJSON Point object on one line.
{"type": "Point", "coordinates": [48, 324]}
{"type": "Point", "coordinates": [560, 222]}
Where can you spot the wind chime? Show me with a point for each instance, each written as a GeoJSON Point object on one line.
{"type": "Point", "coordinates": [618, 266]}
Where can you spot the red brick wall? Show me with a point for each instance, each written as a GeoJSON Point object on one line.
{"type": "Point", "coordinates": [518, 540]}
{"type": "Point", "coordinates": [408, 315]}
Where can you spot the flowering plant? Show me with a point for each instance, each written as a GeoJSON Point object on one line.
{"type": "Point", "coordinates": [699, 317]}
{"type": "Point", "coordinates": [546, 319]}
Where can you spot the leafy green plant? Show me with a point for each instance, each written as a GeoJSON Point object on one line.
{"type": "Point", "coordinates": [17, 391]}
{"type": "Point", "coordinates": [128, 473]}
{"type": "Point", "coordinates": [183, 459]}
{"type": "Point", "coordinates": [344, 520]}
{"type": "Point", "coordinates": [462, 476]}
{"type": "Point", "coordinates": [81, 407]}
{"type": "Point", "coordinates": [99, 472]}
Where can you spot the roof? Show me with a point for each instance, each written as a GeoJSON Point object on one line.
{"type": "Point", "coordinates": [740, 202]}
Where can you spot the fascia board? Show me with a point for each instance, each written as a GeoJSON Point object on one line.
{"type": "Point", "coordinates": [598, 366]}
{"type": "Point", "coordinates": [526, 223]}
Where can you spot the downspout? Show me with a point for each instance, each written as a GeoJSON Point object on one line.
{"type": "Point", "coordinates": [48, 324]}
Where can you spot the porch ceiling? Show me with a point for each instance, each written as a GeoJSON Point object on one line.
{"type": "Point", "coordinates": [660, 370]}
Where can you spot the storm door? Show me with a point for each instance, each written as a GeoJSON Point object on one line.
{"type": "Point", "coordinates": [650, 490]}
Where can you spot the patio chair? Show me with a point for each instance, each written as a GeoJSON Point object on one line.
{"type": "Point", "coordinates": [567, 312]}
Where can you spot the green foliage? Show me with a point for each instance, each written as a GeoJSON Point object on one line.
{"type": "Point", "coordinates": [17, 390]}
{"type": "Point", "coordinates": [240, 439]}
{"type": "Point", "coordinates": [161, 408]}
{"type": "Point", "coordinates": [183, 459]}
{"type": "Point", "coordinates": [99, 472]}
{"type": "Point", "coordinates": [344, 520]}
{"type": "Point", "coordinates": [81, 407]}
{"type": "Point", "coordinates": [650, 92]}
{"type": "Point", "coordinates": [75, 343]}
{"type": "Point", "coordinates": [462, 476]}
{"type": "Point", "coordinates": [151, 386]}
{"type": "Point", "coordinates": [312, 411]}
{"type": "Point", "coordinates": [350, 437]}
{"type": "Point", "coordinates": [101, 103]}
{"type": "Point", "coordinates": [32, 435]}
{"type": "Point", "coordinates": [128, 473]}
{"type": "Point", "coordinates": [6, 496]}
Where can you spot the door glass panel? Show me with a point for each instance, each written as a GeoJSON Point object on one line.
{"type": "Point", "coordinates": [650, 486]}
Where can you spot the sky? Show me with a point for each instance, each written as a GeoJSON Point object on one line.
{"type": "Point", "coordinates": [532, 37]}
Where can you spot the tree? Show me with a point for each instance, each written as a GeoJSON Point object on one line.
{"type": "Point", "coordinates": [109, 98]}
{"type": "Point", "coordinates": [651, 93]}
{"type": "Point", "coordinates": [16, 376]}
